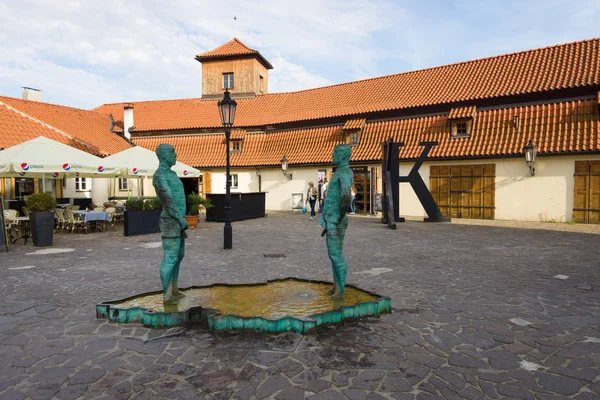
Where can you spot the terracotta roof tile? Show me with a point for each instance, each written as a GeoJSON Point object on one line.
{"type": "Point", "coordinates": [234, 47]}
{"type": "Point", "coordinates": [462, 112]}
{"type": "Point", "coordinates": [552, 68]}
{"type": "Point", "coordinates": [237, 134]}
{"type": "Point", "coordinates": [355, 124]}
{"type": "Point", "coordinates": [568, 127]}
{"type": "Point", "coordinates": [17, 127]}
{"type": "Point", "coordinates": [90, 127]}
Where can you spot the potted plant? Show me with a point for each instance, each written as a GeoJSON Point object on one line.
{"type": "Point", "coordinates": [41, 207]}
{"type": "Point", "coordinates": [195, 203]}
{"type": "Point", "coordinates": [141, 217]}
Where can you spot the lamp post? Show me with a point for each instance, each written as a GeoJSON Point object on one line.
{"type": "Point", "coordinates": [530, 156]}
{"type": "Point", "coordinates": [284, 166]}
{"type": "Point", "coordinates": [227, 110]}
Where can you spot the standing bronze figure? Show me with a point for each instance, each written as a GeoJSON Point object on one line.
{"type": "Point", "coordinates": [172, 223]}
{"type": "Point", "coordinates": [334, 219]}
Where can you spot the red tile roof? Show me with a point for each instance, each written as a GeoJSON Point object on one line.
{"type": "Point", "coordinates": [86, 126]}
{"type": "Point", "coordinates": [567, 127]}
{"type": "Point", "coordinates": [17, 127]}
{"type": "Point", "coordinates": [462, 112]}
{"type": "Point", "coordinates": [355, 124]}
{"type": "Point", "coordinates": [558, 67]}
{"type": "Point", "coordinates": [234, 47]}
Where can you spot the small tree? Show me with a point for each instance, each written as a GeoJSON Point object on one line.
{"type": "Point", "coordinates": [40, 202]}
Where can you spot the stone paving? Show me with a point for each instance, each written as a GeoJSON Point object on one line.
{"type": "Point", "coordinates": [480, 312]}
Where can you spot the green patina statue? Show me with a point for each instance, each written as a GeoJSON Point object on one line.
{"type": "Point", "coordinates": [334, 219]}
{"type": "Point", "coordinates": [172, 222]}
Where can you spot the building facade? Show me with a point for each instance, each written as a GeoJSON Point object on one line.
{"type": "Point", "coordinates": [481, 112]}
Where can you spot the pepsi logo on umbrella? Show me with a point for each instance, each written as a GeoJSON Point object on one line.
{"type": "Point", "coordinates": [25, 166]}
{"type": "Point", "coordinates": [66, 166]}
{"type": "Point", "coordinates": [101, 169]}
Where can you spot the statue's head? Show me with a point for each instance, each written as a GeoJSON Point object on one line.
{"type": "Point", "coordinates": [166, 154]}
{"type": "Point", "coordinates": [341, 154]}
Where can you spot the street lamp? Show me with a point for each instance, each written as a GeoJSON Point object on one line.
{"type": "Point", "coordinates": [284, 167]}
{"type": "Point", "coordinates": [227, 110]}
{"type": "Point", "coordinates": [530, 155]}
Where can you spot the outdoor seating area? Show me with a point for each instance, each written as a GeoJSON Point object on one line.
{"type": "Point", "coordinates": [68, 217]}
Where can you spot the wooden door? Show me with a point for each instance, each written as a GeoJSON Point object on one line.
{"type": "Point", "coordinates": [586, 207]}
{"type": "Point", "coordinates": [363, 194]}
{"type": "Point", "coordinates": [464, 191]}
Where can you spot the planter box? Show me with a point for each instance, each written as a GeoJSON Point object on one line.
{"type": "Point", "coordinates": [42, 228]}
{"type": "Point", "coordinates": [141, 222]}
{"type": "Point", "coordinates": [243, 206]}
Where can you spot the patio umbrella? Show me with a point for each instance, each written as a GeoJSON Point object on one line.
{"type": "Point", "coordinates": [138, 161]}
{"type": "Point", "coordinates": [48, 159]}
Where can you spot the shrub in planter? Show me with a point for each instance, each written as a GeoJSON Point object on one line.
{"type": "Point", "coordinates": [41, 207]}
{"type": "Point", "coordinates": [134, 204]}
{"type": "Point", "coordinates": [195, 203]}
{"type": "Point", "coordinates": [141, 217]}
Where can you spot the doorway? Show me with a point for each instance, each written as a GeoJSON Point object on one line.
{"type": "Point", "coordinates": [362, 182]}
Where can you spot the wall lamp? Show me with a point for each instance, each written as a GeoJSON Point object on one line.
{"type": "Point", "coordinates": [530, 155]}
{"type": "Point", "coordinates": [284, 167]}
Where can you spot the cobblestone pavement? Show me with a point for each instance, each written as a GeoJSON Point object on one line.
{"type": "Point", "coordinates": [479, 313]}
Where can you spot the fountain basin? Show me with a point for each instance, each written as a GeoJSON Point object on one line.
{"type": "Point", "coordinates": [281, 305]}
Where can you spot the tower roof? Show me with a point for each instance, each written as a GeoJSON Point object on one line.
{"type": "Point", "coordinates": [233, 49]}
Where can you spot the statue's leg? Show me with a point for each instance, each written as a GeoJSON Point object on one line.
{"type": "Point", "coordinates": [335, 247]}
{"type": "Point", "coordinates": [176, 290]}
{"type": "Point", "coordinates": [167, 267]}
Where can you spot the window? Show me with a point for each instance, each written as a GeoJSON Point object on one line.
{"type": "Point", "coordinates": [123, 184]}
{"type": "Point", "coordinates": [83, 184]}
{"type": "Point", "coordinates": [236, 146]}
{"type": "Point", "coordinates": [461, 128]}
{"type": "Point", "coordinates": [262, 81]}
{"type": "Point", "coordinates": [353, 138]}
{"type": "Point", "coordinates": [228, 80]}
{"type": "Point", "coordinates": [234, 181]}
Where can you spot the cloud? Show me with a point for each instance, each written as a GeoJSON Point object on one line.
{"type": "Point", "coordinates": [85, 53]}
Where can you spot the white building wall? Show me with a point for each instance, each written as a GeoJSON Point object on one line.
{"type": "Point", "coordinates": [547, 196]}
{"type": "Point", "coordinates": [279, 189]}
{"type": "Point", "coordinates": [98, 192]}
{"type": "Point", "coordinates": [247, 180]}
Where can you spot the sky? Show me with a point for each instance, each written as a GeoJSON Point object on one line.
{"type": "Point", "coordinates": [84, 53]}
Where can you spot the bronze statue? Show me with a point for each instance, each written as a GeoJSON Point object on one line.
{"type": "Point", "coordinates": [172, 222]}
{"type": "Point", "coordinates": [334, 219]}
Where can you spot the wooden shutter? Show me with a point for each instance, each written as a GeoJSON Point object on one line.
{"type": "Point", "coordinates": [207, 182]}
{"type": "Point", "coordinates": [580, 205]}
{"type": "Point", "coordinates": [467, 191]}
{"type": "Point", "coordinates": [489, 191]}
{"type": "Point", "coordinates": [594, 196]}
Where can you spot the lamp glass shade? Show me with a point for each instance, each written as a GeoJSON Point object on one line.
{"type": "Point", "coordinates": [227, 108]}
{"type": "Point", "coordinates": [530, 153]}
{"type": "Point", "coordinates": [284, 164]}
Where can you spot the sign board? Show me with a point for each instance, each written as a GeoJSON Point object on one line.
{"type": "Point", "coordinates": [297, 201]}
{"type": "Point", "coordinates": [3, 232]}
{"type": "Point", "coordinates": [378, 202]}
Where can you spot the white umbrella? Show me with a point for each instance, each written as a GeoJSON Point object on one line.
{"type": "Point", "coordinates": [138, 161]}
{"type": "Point", "coordinates": [46, 158]}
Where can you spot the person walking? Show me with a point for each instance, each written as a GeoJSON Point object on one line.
{"type": "Point", "coordinates": [323, 195]}
{"type": "Point", "coordinates": [311, 198]}
{"type": "Point", "coordinates": [353, 201]}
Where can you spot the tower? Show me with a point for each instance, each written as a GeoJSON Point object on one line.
{"type": "Point", "coordinates": [235, 66]}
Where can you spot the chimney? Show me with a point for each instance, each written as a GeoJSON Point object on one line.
{"type": "Point", "coordinates": [128, 120]}
{"type": "Point", "coordinates": [32, 94]}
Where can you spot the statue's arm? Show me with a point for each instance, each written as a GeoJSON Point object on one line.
{"type": "Point", "coordinates": [345, 194]}
{"type": "Point", "coordinates": [166, 197]}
